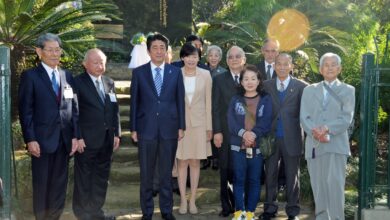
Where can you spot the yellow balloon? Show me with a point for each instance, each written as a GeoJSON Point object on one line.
{"type": "Point", "coordinates": [290, 27]}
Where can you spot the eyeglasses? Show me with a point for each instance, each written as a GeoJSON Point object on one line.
{"type": "Point", "coordinates": [238, 56]}
{"type": "Point", "coordinates": [53, 50]}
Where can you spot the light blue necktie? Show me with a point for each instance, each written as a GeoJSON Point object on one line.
{"type": "Point", "coordinates": [158, 80]}
{"type": "Point", "coordinates": [54, 83]}
{"type": "Point", "coordinates": [100, 92]}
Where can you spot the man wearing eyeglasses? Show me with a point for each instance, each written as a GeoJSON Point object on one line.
{"type": "Point", "coordinates": [48, 115]}
{"type": "Point", "coordinates": [224, 88]}
{"type": "Point", "coordinates": [269, 50]}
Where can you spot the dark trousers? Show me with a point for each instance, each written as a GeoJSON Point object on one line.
{"type": "Point", "coordinates": [291, 170]}
{"type": "Point", "coordinates": [226, 177]}
{"type": "Point", "coordinates": [148, 150]}
{"type": "Point", "coordinates": [50, 178]}
{"type": "Point", "coordinates": [91, 173]}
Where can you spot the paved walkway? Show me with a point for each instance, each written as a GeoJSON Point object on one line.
{"type": "Point", "coordinates": [208, 211]}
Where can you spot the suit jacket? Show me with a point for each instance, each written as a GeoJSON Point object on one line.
{"type": "Point", "coordinates": [96, 117]}
{"type": "Point", "coordinates": [42, 117]}
{"type": "Point", "coordinates": [337, 119]}
{"type": "Point", "coordinates": [153, 116]}
{"type": "Point", "coordinates": [198, 112]}
{"type": "Point", "coordinates": [263, 71]}
{"type": "Point", "coordinates": [288, 111]}
{"type": "Point", "coordinates": [223, 91]}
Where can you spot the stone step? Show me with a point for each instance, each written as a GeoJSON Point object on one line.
{"type": "Point", "coordinates": [124, 110]}
{"type": "Point", "coordinates": [122, 86]}
{"type": "Point", "coordinates": [125, 122]}
{"type": "Point", "coordinates": [125, 153]}
{"type": "Point", "coordinates": [126, 137]}
{"type": "Point", "coordinates": [123, 99]}
{"type": "Point", "coordinates": [118, 71]}
{"type": "Point", "coordinates": [125, 173]}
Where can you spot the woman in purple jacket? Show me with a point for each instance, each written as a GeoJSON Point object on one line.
{"type": "Point", "coordinates": [249, 119]}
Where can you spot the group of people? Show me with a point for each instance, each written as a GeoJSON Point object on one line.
{"type": "Point", "coordinates": [62, 116]}
{"type": "Point", "coordinates": [181, 113]}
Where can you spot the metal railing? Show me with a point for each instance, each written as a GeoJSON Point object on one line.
{"type": "Point", "coordinates": [374, 156]}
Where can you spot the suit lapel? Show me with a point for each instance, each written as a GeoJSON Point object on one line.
{"type": "Point", "coordinates": [274, 92]}
{"type": "Point", "coordinates": [149, 77]}
{"type": "Point", "coordinates": [166, 79]}
{"type": "Point", "coordinates": [63, 82]}
{"type": "Point", "coordinates": [91, 86]}
{"type": "Point", "coordinates": [290, 90]}
{"type": "Point", "coordinates": [46, 80]}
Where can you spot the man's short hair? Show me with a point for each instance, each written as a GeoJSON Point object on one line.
{"type": "Point", "coordinates": [284, 55]}
{"type": "Point", "coordinates": [193, 37]}
{"type": "Point", "coordinates": [42, 39]}
{"type": "Point", "coordinates": [268, 40]}
{"type": "Point", "coordinates": [327, 55]}
{"type": "Point", "coordinates": [86, 56]}
{"type": "Point", "coordinates": [154, 37]}
{"type": "Point", "coordinates": [240, 50]}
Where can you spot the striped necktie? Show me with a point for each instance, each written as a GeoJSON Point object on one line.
{"type": "Point", "coordinates": [54, 83]}
{"type": "Point", "coordinates": [158, 80]}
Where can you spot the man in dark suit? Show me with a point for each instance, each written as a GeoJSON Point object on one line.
{"type": "Point", "coordinates": [100, 132]}
{"type": "Point", "coordinates": [224, 88]}
{"type": "Point", "coordinates": [286, 93]}
{"type": "Point", "coordinates": [270, 50]}
{"type": "Point", "coordinates": [48, 115]}
{"type": "Point", "coordinates": [157, 122]}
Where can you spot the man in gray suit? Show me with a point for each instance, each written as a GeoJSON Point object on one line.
{"type": "Point", "coordinates": [327, 110]}
{"type": "Point", "coordinates": [286, 92]}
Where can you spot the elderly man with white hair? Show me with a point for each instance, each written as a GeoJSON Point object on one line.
{"type": "Point", "coordinates": [327, 110]}
{"type": "Point", "coordinates": [224, 88]}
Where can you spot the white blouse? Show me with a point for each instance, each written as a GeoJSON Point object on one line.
{"type": "Point", "coordinates": [189, 85]}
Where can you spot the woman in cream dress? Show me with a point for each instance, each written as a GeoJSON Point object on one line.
{"type": "Point", "coordinates": [196, 142]}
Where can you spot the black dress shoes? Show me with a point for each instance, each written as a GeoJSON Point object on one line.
{"type": "Point", "coordinates": [155, 192]}
{"type": "Point", "coordinates": [146, 217]}
{"type": "Point", "coordinates": [290, 217]}
{"type": "Point", "coordinates": [205, 164]}
{"type": "Point", "coordinates": [214, 165]}
{"type": "Point", "coordinates": [224, 213]}
{"type": "Point", "coordinates": [267, 216]}
{"type": "Point", "coordinates": [168, 216]}
{"type": "Point", "coordinates": [109, 217]}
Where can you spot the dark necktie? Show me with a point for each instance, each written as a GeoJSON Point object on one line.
{"type": "Point", "coordinates": [281, 86]}
{"type": "Point", "coordinates": [269, 71]}
{"type": "Point", "coordinates": [99, 91]}
{"type": "Point", "coordinates": [54, 83]}
{"type": "Point", "coordinates": [158, 80]}
{"type": "Point", "coordinates": [236, 82]}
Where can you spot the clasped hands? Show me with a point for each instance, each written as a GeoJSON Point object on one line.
{"type": "Point", "coordinates": [321, 134]}
{"type": "Point", "coordinates": [249, 138]}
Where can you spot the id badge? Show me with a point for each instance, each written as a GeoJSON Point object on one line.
{"type": "Point", "coordinates": [68, 92]}
{"type": "Point", "coordinates": [249, 152]}
{"type": "Point", "coordinates": [112, 97]}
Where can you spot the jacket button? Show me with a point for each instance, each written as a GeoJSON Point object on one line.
{"type": "Point", "coordinates": [157, 113]}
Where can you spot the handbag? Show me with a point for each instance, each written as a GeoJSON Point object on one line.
{"type": "Point", "coordinates": [267, 145]}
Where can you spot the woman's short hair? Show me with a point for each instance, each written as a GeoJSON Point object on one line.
{"type": "Point", "coordinates": [216, 48]}
{"type": "Point", "coordinates": [188, 49]}
{"type": "Point", "coordinates": [253, 68]}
